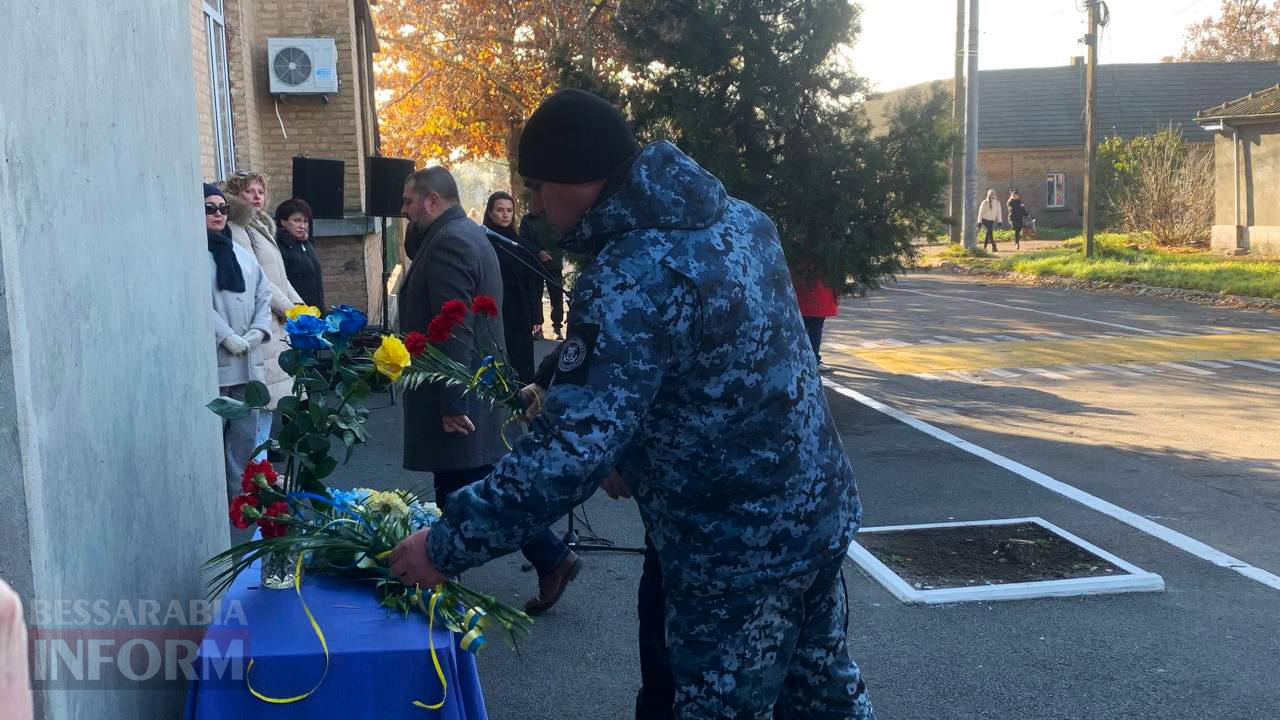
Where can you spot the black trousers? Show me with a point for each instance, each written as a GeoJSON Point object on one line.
{"type": "Point", "coordinates": [990, 238]}
{"type": "Point", "coordinates": [556, 270]}
{"type": "Point", "coordinates": [657, 696]}
{"type": "Point", "coordinates": [813, 326]}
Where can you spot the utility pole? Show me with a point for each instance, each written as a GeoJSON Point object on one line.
{"type": "Point", "coordinates": [1090, 126]}
{"type": "Point", "coordinates": [956, 211]}
{"type": "Point", "coordinates": [970, 199]}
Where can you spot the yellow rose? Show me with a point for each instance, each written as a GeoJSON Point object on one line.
{"type": "Point", "coordinates": [293, 312]}
{"type": "Point", "coordinates": [391, 358]}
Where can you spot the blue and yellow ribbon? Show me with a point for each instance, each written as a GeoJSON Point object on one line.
{"type": "Point", "coordinates": [324, 644]}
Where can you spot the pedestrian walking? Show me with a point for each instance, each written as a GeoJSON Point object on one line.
{"type": "Point", "coordinates": [1017, 216]}
{"type": "Point", "coordinates": [521, 286]}
{"type": "Point", "coordinates": [990, 214]}
{"type": "Point", "coordinates": [817, 303]}
{"type": "Point", "coordinates": [301, 261]}
{"type": "Point", "coordinates": [254, 230]}
{"type": "Point", "coordinates": [242, 323]}
{"type": "Point", "coordinates": [453, 434]}
{"type": "Point", "coordinates": [687, 370]}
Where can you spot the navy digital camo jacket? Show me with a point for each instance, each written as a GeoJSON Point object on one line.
{"type": "Point", "coordinates": [687, 367]}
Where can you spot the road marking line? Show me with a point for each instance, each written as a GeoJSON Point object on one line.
{"type": "Point", "coordinates": [1221, 331]}
{"type": "Point", "coordinates": [1212, 364]}
{"type": "Point", "coordinates": [1266, 330]}
{"type": "Point", "coordinates": [895, 343]}
{"type": "Point", "coordinates": [1077, 370]}
{"type": "Point", "coordinates": [1023, 309]}
{"type": "Point", "coordinates": [838, 347]}
{"type": "Point", "coordinates": [927, 376]}
{"type": "Point", "coordinates": [1273, 327]}
{"type": "Point", "coordinates": [930, 342]}
{"type": "Point", "coordinates": [1116, 369]}
{"type": "Point", "coordinates": [1188, 368]}
{"type": "Point", "coordinates": [1254, 365]}
{"type": "Point", "coordinates": [1160, 532]}
{"type": "Point", "coordinates": [1142, 368]}
{"type": "Point", "coordinates": [1116, 334]}
{"type": "Point", "coordinates": [965, 376]}
{"type": "Point", "coordinates": [1048, 373]}
{"type": "Point", "coordinates": [1002, 373]}
{"type": "Point", "coordinates": [1268, 362]}
{"type": "Point", "coordinates": [1008, 337]}
{"type": "Point", "coordinates": [948, 338]}
{"type": "Point", "coordinates": [985, 340]}
{"type": "Point", "coordinates": [1176, 332]}
{"type": "Point", "coordinates": [870, 343]}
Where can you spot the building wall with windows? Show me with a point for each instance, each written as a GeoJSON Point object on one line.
{"type": "Point", "coordinates": [1033, 172]}
{"type": "Point", "coordinates": [252, 130]}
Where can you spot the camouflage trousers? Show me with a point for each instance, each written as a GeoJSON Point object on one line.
{"type": "Point", "coordinates": [776, 653]}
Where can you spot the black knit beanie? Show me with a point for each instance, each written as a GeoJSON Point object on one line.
{"type": "Point", "coordinates": [210, 189]}
{"type": "Point", "coordinates": [574, 137]}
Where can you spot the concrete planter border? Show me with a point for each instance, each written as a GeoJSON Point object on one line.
{"type": "Point", "coordinates": [1135, 578]}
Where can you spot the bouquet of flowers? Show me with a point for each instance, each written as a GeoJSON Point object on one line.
{"type": "Point", "coordinates": [302, 522]}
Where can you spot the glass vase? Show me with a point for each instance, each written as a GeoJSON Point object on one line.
{"type": "Point", "coordinates": [279, 570]}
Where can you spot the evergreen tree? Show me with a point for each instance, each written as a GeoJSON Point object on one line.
{"type": "Point", "coordinates": [755, 91]}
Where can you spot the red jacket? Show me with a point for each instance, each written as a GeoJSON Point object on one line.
{"type": "Point", "coordinates": [816, 299]}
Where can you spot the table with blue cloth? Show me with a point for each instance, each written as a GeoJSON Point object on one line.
{"type": "Point", "coordinates": [380, 661]}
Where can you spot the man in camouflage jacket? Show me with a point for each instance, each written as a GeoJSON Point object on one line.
{"type": "Point", "coordinates": [687, 369]}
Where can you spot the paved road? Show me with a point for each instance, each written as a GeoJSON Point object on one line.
{"type": "Point", "coordinates": [1198, 453]}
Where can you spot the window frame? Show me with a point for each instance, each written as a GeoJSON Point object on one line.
{"type": "Point", "coordinates": [219, 88]}
{"type": "Point", "coordinates": [1058, 193]}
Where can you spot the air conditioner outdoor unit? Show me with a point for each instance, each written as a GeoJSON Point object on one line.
{"type": "Point", "coordinates": [302, 66]}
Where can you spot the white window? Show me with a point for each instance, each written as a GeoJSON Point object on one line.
{"type": "Point", "coordinates": [219, 88]}
{"type": "Point", "coordinates": [1055, 190]}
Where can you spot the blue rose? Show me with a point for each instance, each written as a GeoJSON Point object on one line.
{"type": "Point", "coordinates": [346, 320]}
{"type": "Point", "coordinates": [306, 332]}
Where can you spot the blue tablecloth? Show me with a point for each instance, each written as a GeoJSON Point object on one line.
{"type": "Point", "coordinates": [380, 661]}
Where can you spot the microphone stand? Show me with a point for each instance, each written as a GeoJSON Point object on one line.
{"type": "Point", "coordinates": [571, 538]}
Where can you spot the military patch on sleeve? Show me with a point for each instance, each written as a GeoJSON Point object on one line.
{"type": "Point", "coordinates": [575, 354]}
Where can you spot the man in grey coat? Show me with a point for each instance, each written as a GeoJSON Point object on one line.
{"type": "Point", "coordinates": [458, 437]}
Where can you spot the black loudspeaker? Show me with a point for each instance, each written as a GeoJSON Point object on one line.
{"type": "Point", "coordinates": [319, 182]}
{"type": "Point", "coordinates": [384, 185]}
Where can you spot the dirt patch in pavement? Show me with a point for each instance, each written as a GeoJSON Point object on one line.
{"type": "Point", "coordinates": [975, 555]}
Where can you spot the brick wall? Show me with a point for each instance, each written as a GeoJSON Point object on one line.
{"type": "Point", "coordinates": [342, 128]}
{"type": "Point", "coordinates": [1026, 170]}
{"type": "Point", "coordinates": [204, 108]}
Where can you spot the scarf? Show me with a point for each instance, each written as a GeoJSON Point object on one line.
{"type": "Point", "coordinates": [506, 232]}
{"type": "Point", "coordinates": [229, 276]}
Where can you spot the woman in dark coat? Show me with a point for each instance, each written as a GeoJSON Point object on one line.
{"type": "Point", "coordinates": [521, 286]}
{"type": "Point", "coordinates": [1017, 215]}
{"type": "Point", "coordinates": [301, 264]}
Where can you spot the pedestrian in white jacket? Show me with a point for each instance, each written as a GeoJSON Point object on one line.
{"type": "Point", "coordinates": [241, 309]}
{"type": "Point", "coordinates": [990, 212]}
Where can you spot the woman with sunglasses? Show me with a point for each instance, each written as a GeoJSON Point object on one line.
{"type": "Point", "coordinates": [242, 323]}
{"type": "Point", "coordinates": [254, 229]}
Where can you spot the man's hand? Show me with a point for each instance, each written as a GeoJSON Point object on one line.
{"type": "Point", "coordinates": [544, 256]}
{"type": "Point", "coordinates": [532, 396]}
{"type": "Point", "coordinates": [460, 424]}
{"type": "Point", "coordinates": [615, 487]}
{"type": "Point", "coordinates": [412, 565]}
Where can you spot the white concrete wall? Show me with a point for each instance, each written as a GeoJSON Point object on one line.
{"type": "Point", "coordinates": [110, 466]}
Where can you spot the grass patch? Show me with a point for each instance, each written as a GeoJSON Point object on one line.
{"type": "Point", "coordinates": [1121, 258]}
{"type": "Point", "coordinates": [1006, 235]}
{"type": "Point", "coordinates": [960, 252]}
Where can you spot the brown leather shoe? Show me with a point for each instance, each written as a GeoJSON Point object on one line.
{"type": "Point", "coordinates": [551, 587]}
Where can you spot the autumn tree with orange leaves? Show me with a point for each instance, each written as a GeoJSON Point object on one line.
{"type": "Point", "coordinates": [458, 78]}
{"type": "Point", "coordinates": [1243, 30]}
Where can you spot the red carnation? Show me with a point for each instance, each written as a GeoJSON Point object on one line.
{"type": "Point", "coordinates": [270, 528]}
{"type": "Point", "coordinates": [455, 310]}
{"type": "Point", "coordinates": [237, 510]}
{"type": "Point", "coordinates": [249, 482]}
{"type": "Point", "coordinates": [416, 343]}
{"type": "Point", "coordinates": [440, 329]}
{"type": "Point", "coordinates": [485, 305]}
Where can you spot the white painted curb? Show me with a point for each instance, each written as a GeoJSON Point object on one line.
{"type": "Point", "coordinates": [1135, 578]}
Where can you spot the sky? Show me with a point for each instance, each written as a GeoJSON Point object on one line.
{"type": "Point", "coordinates": [904, 42]}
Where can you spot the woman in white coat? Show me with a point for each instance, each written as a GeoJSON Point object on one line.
{"type": "Point", "coordinates": [242, 323]}
{"type": "Point", "coordinates": [991, 213]}
{"type": "Point", "coordinates": [255, 230]}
